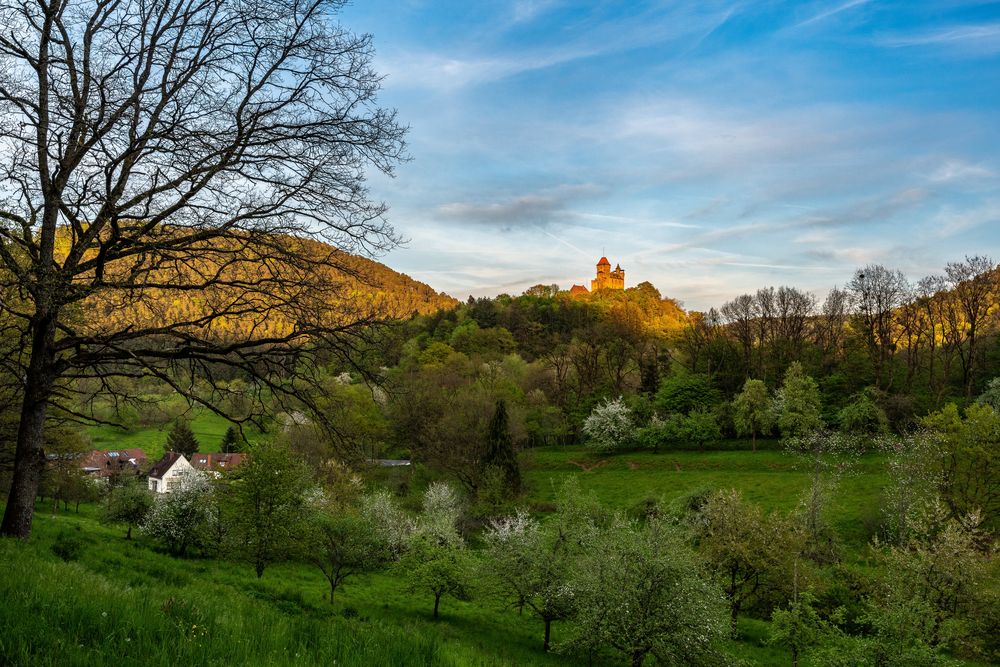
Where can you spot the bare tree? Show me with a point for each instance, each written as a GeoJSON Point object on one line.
{"type": "Point", "coordinates": [974, 282]}
{"type": "Point", "coordinates": [878, 293]}
{"type": "Point", "coordinates": [740, 315]}
{"type": "Point", "coordinates": [829, 327]}
{"type": "Point", "coordinates": [183, 152]}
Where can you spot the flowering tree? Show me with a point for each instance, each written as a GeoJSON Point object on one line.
{"type": "Point", "coordinates": [609, 426]}
{"type": "Point", "coordinates": [639, 590]}
{"type": "Point", "coordinates": [435, 560]}
{"type": "Point", "coordinates": [178, 518]}
{"type": "Point", "coordinates": [533, 564]}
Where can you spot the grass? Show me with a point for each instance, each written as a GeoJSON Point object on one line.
{"type": "Point", "coordinates": [768, 478]}
{"type": "Point", "coordinates": [208, 427]}
{"type": "Point", "coordinates": [127, 603]}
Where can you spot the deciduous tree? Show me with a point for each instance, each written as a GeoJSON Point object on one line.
{"type": "Point", "coordinates": [753, 412]}
{"type": "Point", "coordinates": [155, 151]}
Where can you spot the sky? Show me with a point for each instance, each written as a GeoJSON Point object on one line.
{"type": "Point", "coordinates": [710, 147]}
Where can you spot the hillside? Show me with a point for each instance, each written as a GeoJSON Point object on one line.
{"type": "Point", "coordinates": [256, 286]}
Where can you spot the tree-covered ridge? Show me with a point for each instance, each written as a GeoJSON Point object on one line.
{"type": "Point", "coordinates": [249, 285]}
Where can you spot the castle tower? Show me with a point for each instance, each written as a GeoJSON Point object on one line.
{"type": "Point", "coordinates": [606, 278]}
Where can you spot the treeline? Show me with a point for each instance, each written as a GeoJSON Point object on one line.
{"type": "Point", "coordinates": [919, 344]}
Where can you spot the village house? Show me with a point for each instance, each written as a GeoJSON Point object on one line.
{"type": "Point", "coordinates": [113, 462]}
{"type": "Point", "coordinates": [170, 471]}
{"type": "Point", "coordinates": [216, 462]}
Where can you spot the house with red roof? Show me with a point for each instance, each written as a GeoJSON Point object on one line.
{"type": "Point", "coordinates": [113, 462]}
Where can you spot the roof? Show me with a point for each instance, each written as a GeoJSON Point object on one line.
{"type": "Point", "coordinates": [108, 462]}
{"type": "Point", "coordinates": [216, 461]}
{"type": "Point", "coordinates": [618, 267]}
{"type": "Point", "coordinates": [604, 262]}
{"type": "Point", "coordinates": [164, 464]}
{"type": "Point", "coordinates": [578, 289]}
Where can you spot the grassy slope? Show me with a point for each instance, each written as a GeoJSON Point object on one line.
{"type": "Point", "coordinates": [54, 612]}
{"type": "Point", "coordinates": [769, 478]}
{"type": "Point", "coordinates": [208, 427]}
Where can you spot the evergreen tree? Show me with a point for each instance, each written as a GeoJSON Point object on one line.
{"type": "Point", "coordinates": [500, 449]}
{"type": "Point", "coordinates": [231, 441]}
{"type": "Point", "coordinates": [181, 439]}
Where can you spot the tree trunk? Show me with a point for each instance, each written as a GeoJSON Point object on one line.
{"type": "Point", "coordinates": [753, 439]}
{"type": "Point", "coordinates": [128, 535]}
{"type": "Point", "coordinates": [548, 633]}
{"type": "Point", "coordinates": [437, 600]}
{"type": "Point", "coordinates": [29, 455]}
{"type": "Point", "coordinates": [259, 568]}
{"type": "Point", "coordinates": [638, 657]}
{"type": "Point", "coordinates": [333, 589]}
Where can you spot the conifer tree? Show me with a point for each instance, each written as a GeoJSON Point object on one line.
{"type": "Point", "coordinates": [181, 439]}
{"type": "Point", "coordinates": [500, 449]}
{"type": "Point", "coordinates": [231, 441]}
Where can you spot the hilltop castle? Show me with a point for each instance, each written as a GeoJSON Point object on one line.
{"type": "Point", "coordinates": [606, 278]}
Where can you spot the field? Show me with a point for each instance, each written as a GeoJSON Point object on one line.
{"type": "Point", "coordinates": [208, 428]}
{"type": "Point", "coordinates": [127, 603]}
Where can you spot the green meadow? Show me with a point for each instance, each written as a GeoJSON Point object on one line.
{"type": "Point", "coordinates": [127, 603]}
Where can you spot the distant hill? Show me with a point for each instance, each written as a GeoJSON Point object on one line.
{"type": "Point", "coordinates": [257, 291]}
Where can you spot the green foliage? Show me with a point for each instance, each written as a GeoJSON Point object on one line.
{"type": "Point", "coordinates": [266, 501]}
{"type": "Point", "coordinates": [753, 412]}
{"type": "Point", "coordinates": [685, 392]}
{"type": "Point", "coordinates": [639, 591]}
{"type": "Point", "coordinates": [532, 565]}
{"type": "Point", "coordinates": [700, 427]}
{"type": "Point", "coordinates": [500, 449]}
{"type": "Point", "coordinates": [129, 503]}
{"type": "Point", "coordinates": [939, 582]}
{"type": "Point", "coordinates": [969, 460]}
{"type": "Point", "coordinates": [231, 441]}
{"type": "Point", "coordinates": [181, 439]}
{"type": "Point", "coordinates": [341, 544]}
{"type": "Point", "coordinates": [752, 554]}
{"type": "Point", "coordinates": [798, 627]}
{"type": "Point", "coordinates": [798, 403]}
{"type": "Point", "coordinates": [991, 395]}
{"type": "Point", "coordinates": [863, 416]}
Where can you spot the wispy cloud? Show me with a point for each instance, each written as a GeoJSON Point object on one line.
{"type": "Point", "coordinates": [974, 39]}
{"type": "Point", "coordinates": [827, 13]}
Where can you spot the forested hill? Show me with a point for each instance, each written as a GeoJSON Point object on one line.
{"type": "Point", "coordinates": [256, 285]}
{"type": "Point", "coordinates": [413, 296]}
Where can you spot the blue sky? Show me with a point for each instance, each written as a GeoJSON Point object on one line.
{"type": "Point", "coordinates": [710, 147]}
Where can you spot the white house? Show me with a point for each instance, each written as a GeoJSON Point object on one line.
{"type": "Point", "coordinates": [169, 473]}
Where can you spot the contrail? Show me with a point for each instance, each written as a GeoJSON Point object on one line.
{"type": "Point", "coordinates": [565, 243]}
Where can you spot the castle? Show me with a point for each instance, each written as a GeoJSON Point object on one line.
{"type": "Point", "coordinates": [606, 278]}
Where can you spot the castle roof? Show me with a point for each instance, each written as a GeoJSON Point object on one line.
{"type": "Point", "coordinates": [578, 289]}
{"type": "Point", "coordinates": [604, 262]}
{"type": "Point", "coordinates": [618, 267]}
